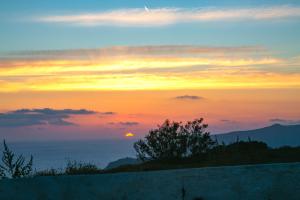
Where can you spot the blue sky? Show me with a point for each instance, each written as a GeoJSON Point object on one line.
{"type": "Point", "coordinates": [19, 32]}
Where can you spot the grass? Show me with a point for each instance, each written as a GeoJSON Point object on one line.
{"type": "Point", "coordinates": [72, 168]}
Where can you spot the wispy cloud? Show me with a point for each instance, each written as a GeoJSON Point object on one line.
{"type": "Point", "coordinates": [107, 113]}
{"type": "Point", "coordinates": [131, 51]}
{"type": "Point", "coordinates": [127, 123]}
{"type": "Point", "coordinates": [229, 121]}
{"type": "Point", "coordinates": [166, 16]}
{"type": "Point", "coordinates": [284, 121]}
{"type": "Point", "coordinates": [45, 116]}
{"type": "Point", "coordinates": [133, 59]}
{"type": "Point", "coordinates": [189, 97]}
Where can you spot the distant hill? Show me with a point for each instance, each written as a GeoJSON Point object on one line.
{"type": "Point", "coordinates": [122, 161]}
{"type": "Point", "coordinates": [275, 136]}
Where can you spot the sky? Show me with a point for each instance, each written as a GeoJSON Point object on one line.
{"type": "Point", "coordinates": [86, 69]}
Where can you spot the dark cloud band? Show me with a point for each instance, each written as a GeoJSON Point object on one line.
{"type": "Point", "coordinates": [189, 97]}
{"type": "Point", "coordinates": [44, 116]}
{"type": "Point", "coordinates": [124, 123]}
{"type": "Point", "coordinates": [284, 121]}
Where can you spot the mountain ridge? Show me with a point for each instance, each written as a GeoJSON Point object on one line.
{"type": "Point", "coordinates": [275, 135]}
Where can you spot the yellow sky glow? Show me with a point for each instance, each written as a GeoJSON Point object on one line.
{"type": "Point", "coordinates": [146, 73]}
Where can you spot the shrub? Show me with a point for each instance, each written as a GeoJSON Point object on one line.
{"type": "Point", "coordinates": [48, 172]}
{"type": "Point", "coordinates": [14, 166]}
{"type": "Point", "coordinates": [74, 167]}
{"type": "Point", "coordinates": [174, 140]}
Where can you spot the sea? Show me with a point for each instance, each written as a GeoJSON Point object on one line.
{"type": "Point", "coordinates": [56, 154]}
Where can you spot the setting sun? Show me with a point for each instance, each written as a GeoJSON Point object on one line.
{"type": "Point", "coordinates": [129, 135]}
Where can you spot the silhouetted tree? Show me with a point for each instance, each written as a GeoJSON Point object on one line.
{"type": "Point", "coordinates": [14, 168]}
{"type": "Point", "coordinates": [175, 140]}
{"type": "Point", "coordinates": [198, 139]}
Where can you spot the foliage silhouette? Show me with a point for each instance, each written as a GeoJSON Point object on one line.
{"type": "Point", "coordinates": [74, 167]}
{"type": "Point", "coordinates": [175, 140]}
{"type": "Point", "coordinates": [236, 153]}
{"type": "Point", "coordinates": [14, 166]}
{"type": "Point", "coordinates": [48, 172]}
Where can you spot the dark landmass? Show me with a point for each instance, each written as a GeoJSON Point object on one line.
{"type": "Point", "coordinates": [276, 135]}
{"type": "Point", "coordinates": [122, 161]}
{"type": "Point", "coordinates": [238, 153]}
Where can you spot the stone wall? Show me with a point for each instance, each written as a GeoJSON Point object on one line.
{"type": "Point", "coordinates": [269, 181]}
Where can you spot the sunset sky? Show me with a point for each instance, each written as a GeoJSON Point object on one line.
{"type": "Point", "coordinates": [85, 69]}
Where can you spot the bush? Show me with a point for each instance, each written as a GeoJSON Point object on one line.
{"type": "Point", "coordinates": [48, 172]}
{"type": "Point", "coordinates": [74, 167]}
{"type": "Point", "coordinates": [14, 167]}
{"type": "Point", "coordinates": [174, 140]}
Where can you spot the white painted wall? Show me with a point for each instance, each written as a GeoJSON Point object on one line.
{"type": "Point", "coordinates": [271, 181]}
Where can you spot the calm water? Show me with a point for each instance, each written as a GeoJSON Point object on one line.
{"type": "Point", "coordinates": [56, 154]}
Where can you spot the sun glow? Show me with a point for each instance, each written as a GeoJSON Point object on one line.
{"type": "Point", "coordinates": [129, 135]}
{"type": "Point", "coordinates": [138, 74]}
{"type": "Point", "coordinates": [147, 69]}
